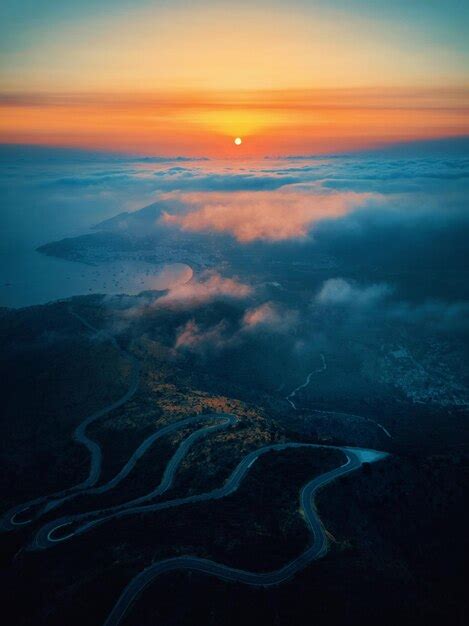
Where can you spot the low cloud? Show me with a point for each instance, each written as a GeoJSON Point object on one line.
{"type": "Point", "coordinates": [337, 291]}
{"type": "Point", "coordinates": [269, 316]}
{"type": "Point", "coordinates": [208, 287]}
{"type": "Point", "coordinates": [445, 316]}
{"type": "Point", "coordinates": [237, 329]}
{"type": "Point", "coordinates": [360, 303]}
{"type": "Point", "coordinates": [288, 213]}
{"type": "Point", "coordinates": [192, 337]}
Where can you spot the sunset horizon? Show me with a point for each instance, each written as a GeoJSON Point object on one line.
{"type": "Point", "coordinates": [158, 78]}
{"type": "Point", "coordinates": [234, 312]}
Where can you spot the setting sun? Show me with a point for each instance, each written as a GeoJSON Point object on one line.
{"type": "Point", "coordinates": [243, 225]}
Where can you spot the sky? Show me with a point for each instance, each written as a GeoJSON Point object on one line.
{"type": "Point", "coordinates": [179, 77]}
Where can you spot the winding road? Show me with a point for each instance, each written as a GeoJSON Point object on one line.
{"type": "Point", "coordinates": [291, 395]}
{"type": "Point", "coordinates": [323, 368]}
{"type": "Point", "coordinates": [43, 504]}
{"type": "Point", "coordinates": [318, 547]}
{"type": "Point", "coordinates": [80, 523]}
{"type": "Point", "coordinates": [56, 531]}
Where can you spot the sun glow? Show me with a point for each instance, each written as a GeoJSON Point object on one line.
{"type": "Point", "coordinates": [291, 80]}
{"type": "Point", "coordinates": [204, 122]}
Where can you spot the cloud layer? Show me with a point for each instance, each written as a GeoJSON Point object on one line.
{"type": "Point", "coordinates": [287, 213]}
{"type": "Point", "coordinates": [337, 291]}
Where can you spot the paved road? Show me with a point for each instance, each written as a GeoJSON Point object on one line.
{"type": "Point", "coordinates": [47, 537]}
{"type": "Point", "coordinates": [57, 532]}
{"type": "Point", "coordinates": [318, 547]}
{"type": "Point", "coordinates": [37, 507]}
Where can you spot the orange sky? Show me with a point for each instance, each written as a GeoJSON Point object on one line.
{"type": "Point", "coordinates": [205, 123]}
{"type": "Point", "coordinates": [187, 77]}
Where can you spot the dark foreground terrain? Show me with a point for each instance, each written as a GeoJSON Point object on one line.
{"type": "Point", "coordinates": [396, 529]}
